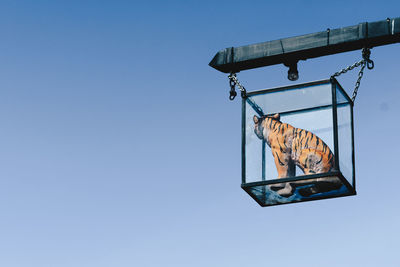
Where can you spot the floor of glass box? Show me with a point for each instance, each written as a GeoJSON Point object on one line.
{"type": "Point", "coordinates": [266, 196]}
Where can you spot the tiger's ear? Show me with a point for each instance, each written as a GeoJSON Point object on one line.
{"type": "Point", "coordinates": [256, 119]}
{"type": "Point", "coordinates": [277, 116]}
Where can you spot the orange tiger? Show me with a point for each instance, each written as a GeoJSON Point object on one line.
{"type": "Point", "coordinates": [292, 147]}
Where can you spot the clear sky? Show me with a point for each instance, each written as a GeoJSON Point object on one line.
{"type": "Point", "coordinates": [119, 146]}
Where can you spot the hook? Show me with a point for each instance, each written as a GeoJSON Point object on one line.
{"type": "Point", "coordinates": [366, 53]}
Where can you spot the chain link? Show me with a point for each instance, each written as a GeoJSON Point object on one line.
{"type": "Point", "coordinates": [360, 75]}
{"type": "Point", "coordinates": [233, 81]}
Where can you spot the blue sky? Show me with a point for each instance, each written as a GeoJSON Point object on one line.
{"type": "Point", "coordinates": [119, 146]}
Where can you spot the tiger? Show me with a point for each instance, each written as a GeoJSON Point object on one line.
{"type": "Point", "coordinates": [291, 147]}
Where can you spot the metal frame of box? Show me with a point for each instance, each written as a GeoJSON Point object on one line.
{"type": "Point", "coordinates": [351, 189]}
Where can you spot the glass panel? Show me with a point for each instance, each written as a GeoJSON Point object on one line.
{"type": "Point", "coordinates": [253, 149]}
{"type": "Point", "coordinates": [341, 96]}
{"type": "Point", "coordinates": [302, 190]}
{"type": "Point", "coordinates": [294, 98]}
{"type": "Point", "coordinates": [345, 141]}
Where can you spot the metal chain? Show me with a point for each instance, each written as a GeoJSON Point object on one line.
{"type": "Point", "coordinates": [365, 62]}
{"type": "Point", "coordinates": [360, 75]}
{"type": "Point", "coordinates": [233, 81]}
{"type": "Point", "coordinates": [355, 65]}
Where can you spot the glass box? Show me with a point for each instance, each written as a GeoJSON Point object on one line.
{"type": "Point", "coordinates": [298, 143]}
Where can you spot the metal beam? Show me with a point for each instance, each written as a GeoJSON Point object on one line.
{"type": "Point", "coordinates": [290, 50]}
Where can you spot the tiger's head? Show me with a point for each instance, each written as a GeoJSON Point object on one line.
{"type": "Point", "coordinates": [261, 124]}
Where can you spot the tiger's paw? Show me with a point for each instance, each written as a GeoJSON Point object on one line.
{"type": "Point", "coordinates": [277, 187]}
{"type": "Point", "coordinates": [287, 191]}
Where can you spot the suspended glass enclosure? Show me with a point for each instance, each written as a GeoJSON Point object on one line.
{"type": "Point", "coordinates": [297, 143]}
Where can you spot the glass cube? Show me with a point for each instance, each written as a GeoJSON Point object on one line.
{"type": "Point", "coordinates": [297, 143]}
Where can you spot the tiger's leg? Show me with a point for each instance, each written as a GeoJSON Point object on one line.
{"type": "Point", "coordinates": [306, 155]}
{"type": "Point", "coordinates": [315, 161]}
{"type": "Point", "coordinates": [312, 162]}
{"type": "Point", "coordinates": [283, 163]}
{"type": "Point", "coordinates": [285, 167]}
